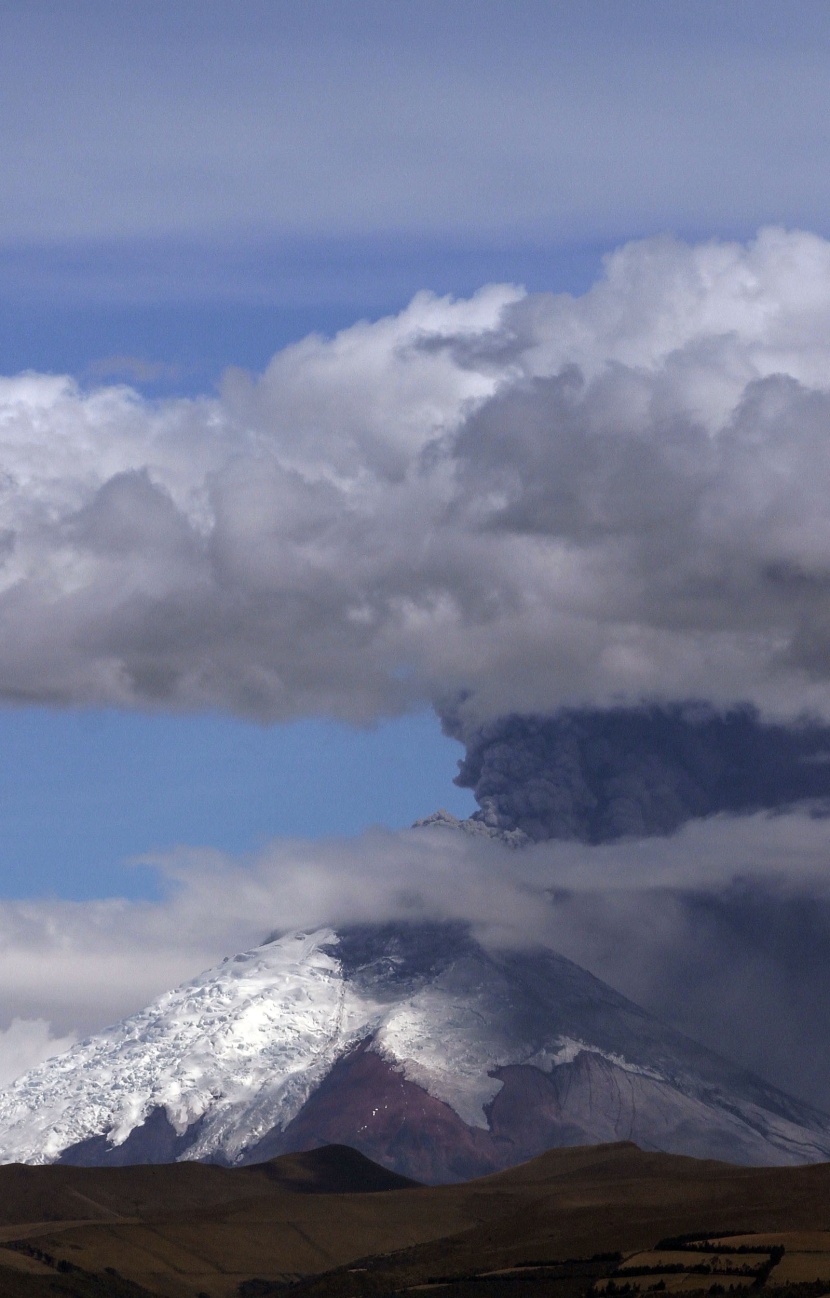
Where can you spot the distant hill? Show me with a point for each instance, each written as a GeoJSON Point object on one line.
{"type": "Point", "coordinates": [558, 1226]}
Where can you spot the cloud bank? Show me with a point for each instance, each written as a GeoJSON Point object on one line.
{"type": "Point", "coordinates": [526, 502]}
{"type": "Point", "coordinates": [722, 929]}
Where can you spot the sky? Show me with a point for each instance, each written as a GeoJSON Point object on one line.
{"type": "Point", "coordinates": [370, 364]}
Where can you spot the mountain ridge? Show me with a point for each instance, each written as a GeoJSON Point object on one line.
{"type": "Point", "coordinates": [433, 1056]}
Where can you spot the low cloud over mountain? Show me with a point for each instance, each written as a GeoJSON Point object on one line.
{"type": "Point", "coordinates": [722, 929]}
{"type": "Point", "coordinates": [535, 502]}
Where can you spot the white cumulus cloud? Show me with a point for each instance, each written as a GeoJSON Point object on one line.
{"type": "Point", "coordinates": [525, 501]}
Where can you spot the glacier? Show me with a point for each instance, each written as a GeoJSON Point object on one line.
{"type": "Point", "coordinates": [411, 1042]}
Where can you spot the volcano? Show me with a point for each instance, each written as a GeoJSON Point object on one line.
{"type": "Point", "coordinates": [414, 1044]}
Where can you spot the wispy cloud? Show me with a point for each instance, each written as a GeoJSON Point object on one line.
{"type": "Point", "coordinates": [723, 928]}
{"type": "Point", "coordinates": [26, 1043]}
{"type": "Point", "coordinates": [133, 369]}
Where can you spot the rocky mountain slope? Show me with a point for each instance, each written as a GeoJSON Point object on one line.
{"type": "Point", "coordinates": [412, 1043]}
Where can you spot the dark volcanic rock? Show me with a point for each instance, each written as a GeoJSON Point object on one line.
{"type": "Point", "coordinates": [154, 1141]}
{"type": "Point", "coordinates": [368, 1101]}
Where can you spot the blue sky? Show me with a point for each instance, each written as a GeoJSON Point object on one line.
{"type": "Point", "coordinates": [188, 186]}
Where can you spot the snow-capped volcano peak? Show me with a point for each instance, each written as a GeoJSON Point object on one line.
{"type": "Point", "coordinates": [381, 1037]}
{"type": "Point", "coordinates": [204, 1047]}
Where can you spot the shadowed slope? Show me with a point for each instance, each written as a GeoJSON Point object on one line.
{"type": "Point", "coordinates": [66, 1193]}
{"type": "Point", "coordinates": [332, 1169]}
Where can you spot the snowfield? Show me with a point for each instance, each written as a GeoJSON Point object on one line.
{"type": "Point", "coordinates": [236, 1053]}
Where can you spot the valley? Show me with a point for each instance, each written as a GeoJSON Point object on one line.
{"type": "Point", "coordinates": [587, 1221]}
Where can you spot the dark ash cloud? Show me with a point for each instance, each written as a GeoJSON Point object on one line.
{"type": "Point", "coordinates": [743, 967]}
{"type": "Point", "coordinates": [631, 772]}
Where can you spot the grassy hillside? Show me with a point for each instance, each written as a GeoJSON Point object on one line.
{"type": "Point", "coordinates": [329, 1224]}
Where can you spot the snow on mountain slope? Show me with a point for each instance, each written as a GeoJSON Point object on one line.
{"type": "Point", "coordinates": [211, 1046]}
{"type": "Point", "coordinates": [412, 1043]}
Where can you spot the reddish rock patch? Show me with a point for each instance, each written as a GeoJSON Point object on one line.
{"type": "Point", "coordinates": [366, 1102]}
